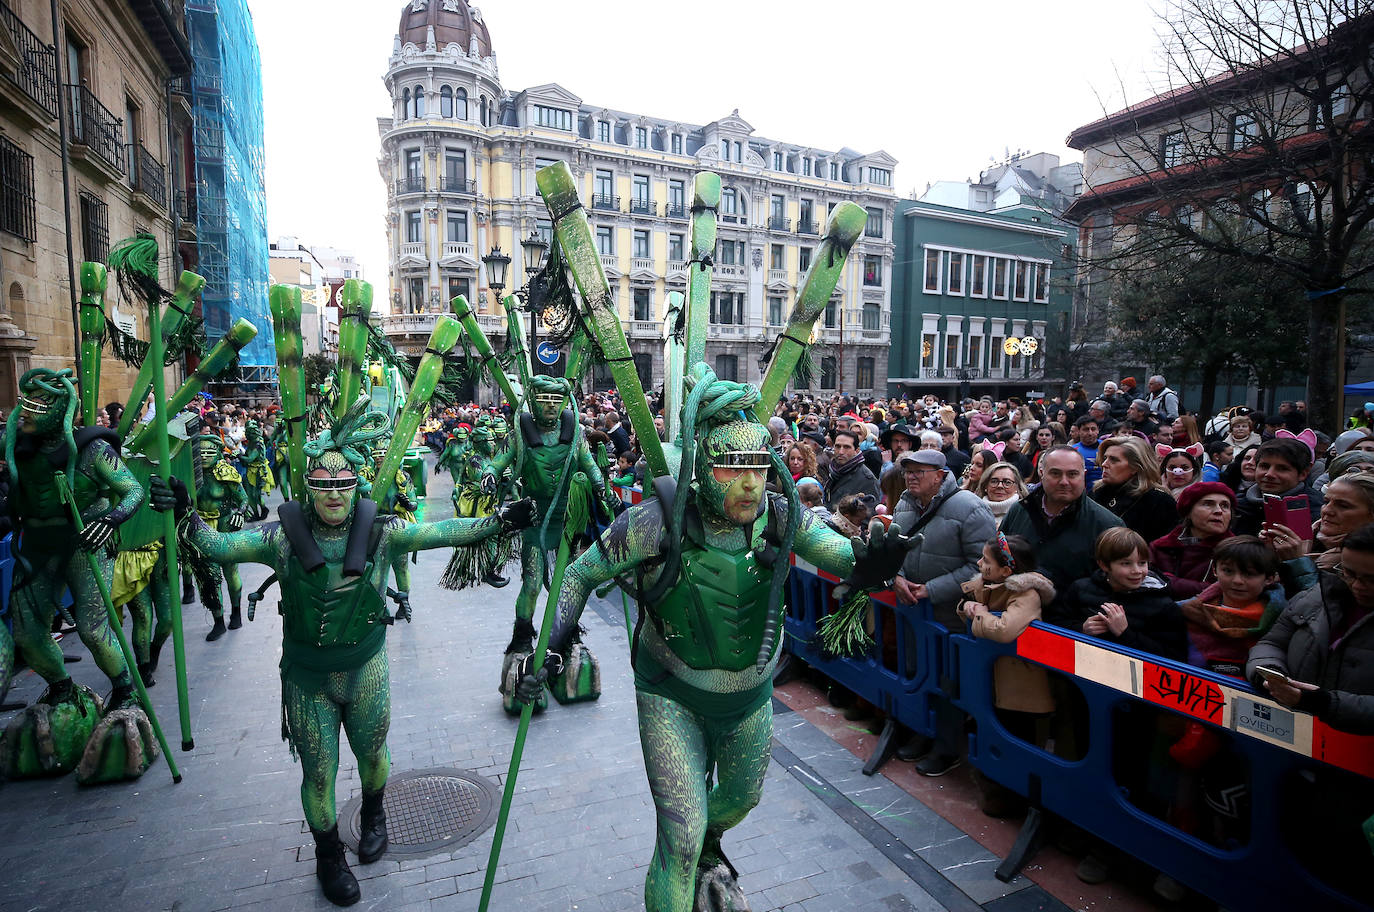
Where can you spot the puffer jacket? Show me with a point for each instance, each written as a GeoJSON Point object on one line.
{"type": "Point", "coordinates": [1185, 564]}
{"type": "Point", "coordinates": [948, 554]}
{"type": "Point", "coordinates": [1299, 645]}
{"type": "Point", "coordinates": [1018, 684]}
{"type": "Point", "coordinates": [1063, 545]}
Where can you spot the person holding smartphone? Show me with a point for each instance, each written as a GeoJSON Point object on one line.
{"type": "Point", "coordinates": [1281, 468]}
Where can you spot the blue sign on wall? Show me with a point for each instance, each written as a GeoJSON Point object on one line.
{"type": "Point", "coordinates": [547, 353]}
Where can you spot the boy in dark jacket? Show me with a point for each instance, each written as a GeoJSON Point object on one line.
{"type": "Point", "coordinates": [1123, 601]}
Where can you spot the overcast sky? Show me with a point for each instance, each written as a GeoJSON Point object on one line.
{"type": "Point", "coordinates": [942, 86]}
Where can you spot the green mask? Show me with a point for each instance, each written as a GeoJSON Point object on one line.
{"type": "Point", "coordinates": [732, 467]}
{"type": "Point", "coordinates": [46, 401]}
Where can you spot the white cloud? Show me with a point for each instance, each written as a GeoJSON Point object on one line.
{"type": "Point", "coordinates": [942, 87]}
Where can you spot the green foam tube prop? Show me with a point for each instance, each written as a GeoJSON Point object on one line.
{"type": "Point", "coordinates": [93, 283]}
{"type": "Point", "coordinates": [705, 200]}
{"type": "Point", "coordinates": [574, 232]}
{"type": "Point", "coordinates": [178, 310]}
{"type": "Point", "coordinates": [846, 222]}
{"type": "Point", "coordinates": [239, 335]}
{"type": "Point", "coordinates": [441, 339]}
{"type": "Point", "coordinates": [515, 326]}
{"type": "Point", "coordinates": [65, 491]}
{"type": "Point", "coordinates": [354, 312]}
{"type": "Point", "coordinates": [674, 352]}
{"type": "Point", "coordinates": [285, 301]}
{"type": "Point", "coordinates": [463, 312]}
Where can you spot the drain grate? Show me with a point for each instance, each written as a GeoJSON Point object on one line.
{"type": "Point", "coordinates": [428, 811]}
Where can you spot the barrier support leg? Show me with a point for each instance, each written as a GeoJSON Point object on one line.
{"type": "Point", "coordinates": [884, 749]}
{"type": "Point", "coordinates": [788, 669]}
{"type": "Point", "coordinates": [1028, 840]}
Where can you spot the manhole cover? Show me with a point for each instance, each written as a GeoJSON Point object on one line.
{"type": "Point", "coordinates": [428, 811]}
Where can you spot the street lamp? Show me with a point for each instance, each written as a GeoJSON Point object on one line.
{"type": "Point", "coordinates": [534, 247]}
{"type": "Point", "coordinates": [497, 263]}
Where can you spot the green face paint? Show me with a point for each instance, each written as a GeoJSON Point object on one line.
{"type": "Point", "coordinates": [332, 495]}
{"type": "Point", "coordinates": [732, 467]}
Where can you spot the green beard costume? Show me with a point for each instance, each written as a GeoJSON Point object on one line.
{"type": "Point", "coordinates": [333, 557]}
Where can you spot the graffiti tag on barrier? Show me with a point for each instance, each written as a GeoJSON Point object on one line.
{"type": "Point", "coordinates": [1198, 697]}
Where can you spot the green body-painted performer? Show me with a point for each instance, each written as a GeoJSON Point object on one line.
{"type": "Point", "coordinates": [40, 443]}
{"type": "Point", "coordinates": [222, 501]}
{"type": "Point", "coordinates": [332, 558]}
{"type": "Point", "coordinates": [257, 481]}
{"type": "Point", "coordinates": [477, 487]}
{"type": "Point", "coordinates": [455, 450]}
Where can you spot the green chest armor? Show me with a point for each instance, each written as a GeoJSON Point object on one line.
{"type": "Point", "coordinates": [325, 606]}
{"type": "Point", "coordinates": [713, 617]}
{"type": "Point", "coordinates": [544, 462]}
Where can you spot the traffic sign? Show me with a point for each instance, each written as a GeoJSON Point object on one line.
{"type": "Point", "coordinates": [547, 353]}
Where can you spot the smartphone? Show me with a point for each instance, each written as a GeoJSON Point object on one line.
{"type": "Point", "coordinates": [1293, 512]}
{"type": "Point", "coordinates": [1271, 675]}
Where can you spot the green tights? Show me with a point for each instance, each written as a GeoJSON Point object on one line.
{"type": "Point", "coordinates": [360, 700]}
{"type": "Point", "coordinates": [681, 750]}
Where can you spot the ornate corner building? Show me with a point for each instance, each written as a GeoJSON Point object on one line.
{"type": "Point", "coordinates": [459, 155]}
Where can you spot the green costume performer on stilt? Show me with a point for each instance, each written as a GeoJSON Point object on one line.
{"type": "Point", "coordinates": [222, 501]}
{"type": "Point", "coordinates": [50, 555]}
{"type": "Point", "coordinates": [257, 481]}
{"type": "Point", "coordinates": [706, 557]}
{"type": "Point", "coordinates": [332, 558]}
{"type": "Point", "coordinates": [483, 473]}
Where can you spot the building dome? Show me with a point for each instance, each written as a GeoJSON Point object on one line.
{"type": "Point", "coordinates": [453, 21]}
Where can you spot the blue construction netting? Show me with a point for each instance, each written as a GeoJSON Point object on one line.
{"type": "Point", "coordinates": [231, 195]}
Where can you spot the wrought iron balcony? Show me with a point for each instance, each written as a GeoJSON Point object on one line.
{"type": "Point", "coordinates": [94, 127]}
{"type": "Point", "coordinates": [779, 223]}
{"type": "Point", "coordinates": [609, 203]}
{"type": "Point", "coordinates": [36, 74]}
{"type": "Point", "coordinates": [449, 184]}
{"type": "Point", "coordinates": [146, 175]}
{"type": "Point", "coordinates": [807, 226]}
{"type": "Point", "coordinates": [186, 206]}
{"type": "Point", "coordinates": [674, 211]}
{"type": "Point", "coordinates": [410, 185]}
{"type": "Point", "coordinates": [641, 206]}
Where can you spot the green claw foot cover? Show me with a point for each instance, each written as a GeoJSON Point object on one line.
{"type": "Point", "coordinates": [121, 747]}
{"type": "Point", "coordinates": [580, 681]}
{"type": "Point", "coordinates": [510, 676]}
{"type": "Point", "coordinates": [48, 739]}
{"type": "Point", "coordinates": [718, 891]}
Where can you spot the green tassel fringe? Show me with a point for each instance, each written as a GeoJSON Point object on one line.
{"type": "Point", "coordinates": [470, 563]}
{"type": "Point", "coordinates": [844, 634]}
{"type": "Point", "coordinates": [805, 371]}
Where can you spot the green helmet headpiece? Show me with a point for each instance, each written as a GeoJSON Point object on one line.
{"type": "Point", "coordinates": [252, 432]}
{"type": "Point", "coordinates": [345, 445]}
{"type": "Point", "coordinates": [551, 390]}
{"type": "Point", "coordinates": [49, 396]}
{"type": "Point", "coordinates": [461, 434]}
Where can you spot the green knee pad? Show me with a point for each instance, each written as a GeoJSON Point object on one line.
{"type": "Point", "coordinates": [121, 747]}
{"type": "Point", "coordinates": [48, 739]}
{"type": "Point", "coordinates": [580, 681]}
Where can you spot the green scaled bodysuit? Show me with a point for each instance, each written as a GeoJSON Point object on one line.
{"type": "Point", "coordinates": [221, 500]}
{"type": "Point", "coordinates": [257, 482]}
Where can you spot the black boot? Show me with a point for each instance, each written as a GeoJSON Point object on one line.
{"type": "Point", "coordinates": [495, 580]}
{"type": "Point", "coordinates": [120, 697]}
{"type": "Point", "coordinates": [331, 867]}
{"type": "Point", "coordinates": [188, 590]}
{"type": "Point", "coordinates": [372, 843]}
{"type": "Point", "coordinates": [235, 618]}
{"type": "Point", "coordinates": [216, 631]}
{"type": "Point", "coordinates": [145, 671]}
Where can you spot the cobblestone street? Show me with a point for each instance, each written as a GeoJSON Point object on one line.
{"type": "Point", "coordinates": [231, 835]}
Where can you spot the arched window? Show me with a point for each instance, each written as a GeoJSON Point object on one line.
{"type": "Point", "coordinates": [483, 110]}
{"type": "Point", "coordinates": [419, 101]}
{"type": "Point", "coordinates": [461, 108]}
{"type": "Point", "coordinates": [405, 105]}
{"type": "Point", "coordinates": [19, 311]}
{"type": "Point", "coordinates": [446, 102]}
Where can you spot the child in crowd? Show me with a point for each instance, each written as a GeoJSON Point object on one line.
{"type": "Point", "coordinates": [999, 604]}
{"type": "Point", "coordinates": [1124, 601]}
{"type": "Point", "coordinates": [624, 474]}
{"type": "Point", "coordinates": [852, 515]}
{"type": "Point", "coordinates": [1231, 615]}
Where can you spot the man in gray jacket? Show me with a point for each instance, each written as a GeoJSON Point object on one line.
{"type": "Point", "coordinates": [955, 524]}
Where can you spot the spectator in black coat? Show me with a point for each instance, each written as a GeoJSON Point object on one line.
{"type": "Point", "coordinates": [1131, 488]}
{"type": "Point", "coordinates": [1281, 468]}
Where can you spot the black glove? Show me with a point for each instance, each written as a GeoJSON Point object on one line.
{"type": "Point", "coordinates": [402, 600]}
{"type": "Point", "coordinates": [233, 522]}
{"type": "Point", "coordinates": [488, 483]}
{"type": "Point", "coordinates": [164, 496]}
{"type": "Point", "coordinates": [253, 598]}
{"type": "Point", "coordinates": [531, 683]}
{"type": "Point", "coordinates": [520, 514]}
{"type": "Point", "coordinates": [96, 534]}
{"type": "Point", "coordinates": [877, 560]}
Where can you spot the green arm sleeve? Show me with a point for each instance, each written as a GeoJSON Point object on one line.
{"type": "Point", "coordinates": [114, 478]}
{"type": "Point", "coordinates": [259, 545]}
{"type": "Point", "coordinates": [823, 546]}
{"type": "Point", "coordinates": [449, 533]}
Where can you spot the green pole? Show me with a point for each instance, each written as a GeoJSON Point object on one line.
{"type": "Point", "coordinates": [93, 284]}
{"type": "Point", "coordinates": [188, 286]}
{"type": "Point", "coordinates": [578, 484]}
{"type": "Point", "coordinates": [515, 325]}
{"type": "Point", "coordinates": [64, 489]}
{"type": "Point", "coordinates": [479, 341]}
{"type": "Point", "coordinates": [705, 200]}
{"type": "Point", "coordinates": [285, 301]}
{"type": "Point", "coordinates": [354, 313]}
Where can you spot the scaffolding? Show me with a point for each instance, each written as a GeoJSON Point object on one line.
{"type": "Point", "coordinates": [231, 207]}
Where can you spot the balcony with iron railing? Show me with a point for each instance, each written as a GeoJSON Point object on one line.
{"type": "Point", "coordinates": [94, 129]}
{"type": "Point", "coordinates": [146, 175]}
{"type": "Point", "coordinates": [452, 184]}
{"type": "Point", "coordinates": [779, 223]}
{"type": "Point", "coordinates": [641, 206]}
{"type": "Point", "coordinates": [807, 226]}
{"type": "Point", "coordinates": [674, 211]}
{"type": "Point", "coordinates": [411, 184]}
{"type": "Point", "coordinates": [36, 72]}
{"type": "Point", "coordinates": [606, 202]}
{"type": "Point", "coordinates": [186, 206]}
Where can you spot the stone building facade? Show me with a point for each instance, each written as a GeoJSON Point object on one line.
{"type": "Point", "coordinates": [103, 68]}
{"type": "Point", "coordinates": [459, 156]}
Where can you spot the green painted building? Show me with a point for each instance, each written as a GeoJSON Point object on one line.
{"type": "Point", "coordinates": [964, 283]}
